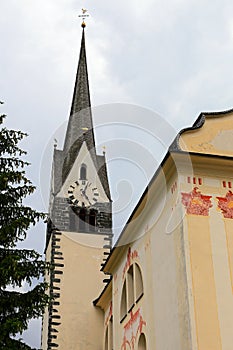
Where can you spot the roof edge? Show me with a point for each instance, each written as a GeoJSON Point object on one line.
{"type": "Point", "coordinates": [199, 122]}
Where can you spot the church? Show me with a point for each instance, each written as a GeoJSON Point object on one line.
{"type": "Point", "coordinates": [167, 282]}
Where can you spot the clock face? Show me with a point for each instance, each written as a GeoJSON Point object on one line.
{"type": "Point", "coordinates": [83, 193]}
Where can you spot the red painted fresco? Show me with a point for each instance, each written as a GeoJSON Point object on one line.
{"type": "Point", "coordinates": [226, 205]}
{"type": "Point", "coordinates": [132, 330]}
{"type": "Point", "coordinates": [130, 257]}
{"type": "Point", "coordinates": [109, 314]}
{"type": "Point", "coordinates": [196, 203]}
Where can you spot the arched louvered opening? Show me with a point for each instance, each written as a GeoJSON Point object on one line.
{"type": "Point", "coordinates": [92, 220]}
{"type": "Point", "coordinates": [83, 172]}
{"type": "Point", "coordinates": [142, 342]}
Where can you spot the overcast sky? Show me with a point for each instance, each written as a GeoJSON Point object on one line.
{"type": "Point", "coordinates": [171, 57]}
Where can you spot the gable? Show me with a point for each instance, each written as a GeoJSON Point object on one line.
{"type": "Point", "coordinates": [213, 136]}
{"type": "Point", "coordinates": [84, 157]}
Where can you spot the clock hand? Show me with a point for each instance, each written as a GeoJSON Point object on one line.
{"type": "Point", "coordinates": [85, 196]}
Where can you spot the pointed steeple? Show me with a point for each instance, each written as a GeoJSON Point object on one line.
{"type": "Point", "coordinates": [80, 127]}
{"type": "Point", "coordinates": [80, 119]}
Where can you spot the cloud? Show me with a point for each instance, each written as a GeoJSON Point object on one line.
{"type": "Point", "coordinates": [174, 57]}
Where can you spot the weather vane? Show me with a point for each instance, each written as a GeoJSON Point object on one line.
{"type": "Point", "coordinates": [84, 15]}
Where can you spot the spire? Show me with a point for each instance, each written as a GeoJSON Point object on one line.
{"type": "Point", "coordinates": [80, 119]}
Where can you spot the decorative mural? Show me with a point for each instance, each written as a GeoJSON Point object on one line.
{"type": "Point", "coordinates": [196, 203]}
{"type": "Point", "coordinates": [131, 255]}
{"type": "Point", "coordinates": [132, 330]}
{"type": "Point", "coordinates": [225, 204]}
{"type": "Point", "coordinates": [174, 187]}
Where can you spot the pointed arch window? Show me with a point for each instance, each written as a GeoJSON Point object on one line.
{"type": "Point", "coordinates": [130, 287]}
{"type": "Point", "coordinates": [138, 282]}
{"type": "Point", "coordinates": [123, 310]}
{"type": "Point", "coordinates": [142, 342]}
{"type": "Point", "coordinates": [106, 339]}
{"type": "Point", "coordinates": [132, 290]}
{"type": "Point", "coordinates": [83, 172]}
{"type": "Point", "coordinates": [108, 342]}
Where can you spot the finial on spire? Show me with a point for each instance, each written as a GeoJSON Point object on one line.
{"type": "Point", "coordinates": [84, 15]}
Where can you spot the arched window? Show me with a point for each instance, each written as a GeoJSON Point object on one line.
{"type": "Point", "coordinates": [138, 282]}
{"type": "Point", "coordinates": [110, 326]}
{"type": "Point", "coordinates": [83, 172]}
{"type": "Point", "coordinates": [130, 282]}
{"type": "Point", "coordinates": [108, 342]}
{"type": "Point", "coordinates": [142, 342]}
{"type": "Point", "coordinates": [123, 311]}
{"type": "Point", "coordinates": [132, 290]}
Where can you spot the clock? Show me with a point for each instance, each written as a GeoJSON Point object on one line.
{"type": "Point", "coordinates": [83, 194]}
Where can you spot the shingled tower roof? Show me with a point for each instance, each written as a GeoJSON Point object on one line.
{"type": "Point", "coordinates": [80, 115]}
{"type": "Point", "coordinates": [79, 129]}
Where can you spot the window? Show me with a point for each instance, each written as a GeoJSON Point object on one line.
{"type": "Point", "coordinates": [108, 342]}
{"type": "Point", "coordinates": [83, 172]}
{"type": "Point", "coordinates": [123, 311]}
{"type": "Point", "coordinates": [110, 327]}
{"type": "Point", "coordinates": [138, 282]}
{"type": "Point", "coordinates": [92, 220]}
{"type": "Point", "coordinates": [82, 220]}
{"type": "Point", "coordinates": [130, 282]}
{"type": "Point", "coordinates": [142, 342]}
{"type": "Point", "coordinates": [132, 290]}
{"type": "Point", "coordinates": [106, 339]}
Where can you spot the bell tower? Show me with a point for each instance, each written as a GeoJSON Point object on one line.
{"type": "Point", "coordinates": [79, 230]}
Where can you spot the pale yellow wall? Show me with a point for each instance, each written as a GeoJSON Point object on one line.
{"type": "Point", "coordinates": [214, 137]}
{"type": "Point", "coordinates": [81, 283]}
{"type": "Point", "coordinates": [187, 265]}
{"type": "Point", "coordinates": [208, 255]}
{"type": "Point", "coordinates": [169, 314]}
{"type": "Point", "coordinates": [164, 306]}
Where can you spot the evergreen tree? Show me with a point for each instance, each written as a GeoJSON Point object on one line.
{"type": "Point", "coordinates": [17, 266]}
